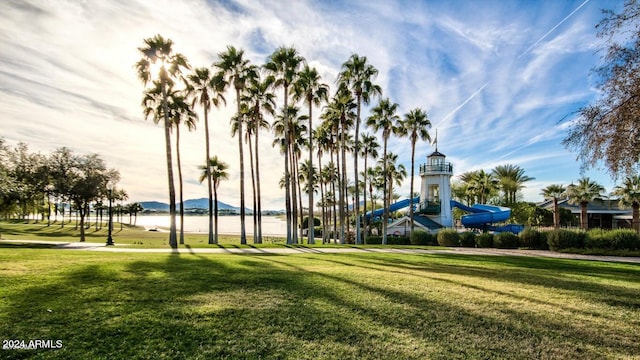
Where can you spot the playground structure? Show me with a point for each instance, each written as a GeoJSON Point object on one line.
{"type": "Point", "coordinates": [433, 209]}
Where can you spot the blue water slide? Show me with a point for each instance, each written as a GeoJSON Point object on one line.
{"type": "Point", "coordinates": [394, 207]}
{"type": "Point", "coordinates": [481, 214]}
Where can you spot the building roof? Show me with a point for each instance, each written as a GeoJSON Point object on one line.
{"type": "Point", "coordinates": [436, 153]}
{"type": "Point", "coordinates": [608, 206]}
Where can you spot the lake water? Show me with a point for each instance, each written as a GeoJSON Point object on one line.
{"type": "Point", "coordinates": [271, 225]}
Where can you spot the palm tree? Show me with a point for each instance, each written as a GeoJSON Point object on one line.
{"type": "Point", "coordinates": [181, 113]}
{"type": "Point", "coordinates": [393, 174]}
{"type": "Point", "coordinates": [554, 192]}
{"type": "Point", "coordinates": [482, 185]}
{"type": "Point", "coordinates": [283, 66]}
{"type": "Point", "coordinates": [310, 88]}
{"type": "Point", "coordinates": [383, 117]}
{"type": "Point", "coordinates": [261, 101]}
{"type": "Point", "coordinates": [511, 178]}
{"type": "Point", "coordinates": [629, 195]}
{"type": "Point", "coordinates": [582, 194]}
{"type": "Point", "coordinates": [288, 129]}
{"type": "Point", "coordinates": [358, 75]}
{"type": "Point", "coordinates": [340, 114]}
{"type": "Point", "coordinates": [134, 209]}
{"type": "Point", "coordinates": [206, 89]}
{"type": "Point", "coordinates": [415, 125]}
{"type": "Point", "coordinates": [217, 170]}
{"type": "Point", "coordinates": [157, 50]}
{"type": "Point", "coordinates": [369, 147]}
{"type": "Point", "coordinates": [237, 70]}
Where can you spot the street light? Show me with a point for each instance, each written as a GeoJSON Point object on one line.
{"type": "Point", "coordinates": [110, 196]}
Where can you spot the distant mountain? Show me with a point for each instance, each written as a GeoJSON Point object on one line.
{"type": "Point", "coordinates": [202, 203]}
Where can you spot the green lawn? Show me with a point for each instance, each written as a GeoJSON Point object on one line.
{"type": "Point", "coordinates": [317, 306]}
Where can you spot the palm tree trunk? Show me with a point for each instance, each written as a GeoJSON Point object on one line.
{"type": "Point", "coordinates": [355, 172]}
{"type": "Point", "coordinates": [243, 233]}
{"type": "Point", "coordinates": [364, 201]}
{"type": "Point", "coordinates": [385, 204]}
{"type": "Point", "coordinates": [310, 179]}
{"type": "Point", "coordinates": [294, 190]}
{"type": "Point", "coordinates": [413, 160]}
{"type": "Point", "coordinates": [172, 189]}
{"type": "Point", "coordinates": [253, 188]}
{"type": "Point", "coordinates": [209, 181]}
{"type": "Point", "coordinates": [287, 177]}
{"type": "Point", "coordinates": [583, 216]}
{"type": "Point", "coordinates": [556, 213]}
{"type": "Point", "coordinates": [635, 222]}
{"type": "Point", "coordinates": [215, 212]}
{"type": "Point", "coordinates": [259, 204]}
{"type": "Point", "coordinates": [343, 183]}
{"type": "Point", "coordinates": [180, 183]}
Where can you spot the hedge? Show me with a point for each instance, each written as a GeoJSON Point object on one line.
{"type": "Point", "coordinates": [448, 237]}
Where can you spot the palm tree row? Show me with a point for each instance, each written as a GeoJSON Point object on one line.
{"type": "Point", "coordinates": [254, 89]}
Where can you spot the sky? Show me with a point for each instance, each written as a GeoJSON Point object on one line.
{"type": "Point", "coordinates": [500, 80]}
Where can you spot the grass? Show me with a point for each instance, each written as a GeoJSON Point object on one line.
{"type": "Point", "coordinates": [133, 236]}
{"type": "Point", "coordinates": [317, 306]}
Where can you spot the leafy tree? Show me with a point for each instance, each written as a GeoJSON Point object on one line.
{"type": "Point", "coordinates": [554, 192]}
{"type": "Point", "coordinates": [207, 89]}
{"type": "Point", "coordinates": [358, 75]}
{"type": "Point", "coordinates": [582, 194]}
{"type": "Point", "coordinates": [608, 129]}
{"type": "Point", "coordinates": [629, 196]}
{"type": "Point", "coordinates": [88, 179]}
{"type": "Point", "coordinates": [415, 125]}
{"type": "Point", "coordinates": [158, 50]}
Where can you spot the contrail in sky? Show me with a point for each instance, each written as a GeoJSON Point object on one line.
{"type": "Point", "coordinates": [553, 28]}
{"type": "Point", "coordinates": [449, 115]}
{"type": "Point", "coordinates": [461, 105]}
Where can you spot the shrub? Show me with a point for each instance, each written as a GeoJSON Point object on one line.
{"type": "Point", "coordinates": [448, 237]}
{"type": "Point", "coordinates": [421, 237]}
{"type": "Point", "coordinates": [564, 239]}
{"type": "Point", "coordinates": [533, 239]}
{"type": "Point", "coordinates": [484, 240]}
{"type": "Point", "coordinates": [621, 239]}
{"type": "Point", "coordinates": [468, 239]}
{"type": "Point", "coordinates": [506, 240]}
{"type": "Point", "coordinates": [374, 240]}
{"type": "Point", "coordinates": [398, 240]}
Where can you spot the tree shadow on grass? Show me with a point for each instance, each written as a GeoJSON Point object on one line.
{"type": "Point", "coordinates": [187, 306]}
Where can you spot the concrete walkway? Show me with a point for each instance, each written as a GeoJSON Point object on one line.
{"type": "Point", "coordinates": [328, 250]}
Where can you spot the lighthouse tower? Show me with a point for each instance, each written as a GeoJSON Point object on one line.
{"type": "Point", "coordinates": [435, 191]}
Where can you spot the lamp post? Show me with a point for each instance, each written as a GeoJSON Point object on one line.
{"type": "Point", "coordinates": [110, 196]}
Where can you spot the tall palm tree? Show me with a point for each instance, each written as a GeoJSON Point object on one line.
{"type": "Point", "coordinates": [283, 65]}
{"type": "Point", "coordinates": [181, 113]}
{"type": "Point", "coordinates": [217, 170]}
{"type": "Point", "coordinates": [310, 88]}
{"type": "Point", "coordinates": [368, 148]}
{"type": "Point", "coordinates": [554, 192]}
{"type": "Point", "coordinates": [416, 125]}
{"type": "Point", "coordinates": [629, 195]}
{"type": "Point", "coordinates": [384, 118]}
{"type": "Point", "coordinates": [206, 89]}
{"type": "Point", "coordinates": [582, 194]}
{"type": "Point", "coordinates": [236, 70]}
{"type": "Point", "coordinates": [512, 179]}
{"type": "Point", "coordinates": [261, 101]}
{"type": "Point", "coordinates": [158, 50]}
{"type": "Point", "coordinates": [358, 76]}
